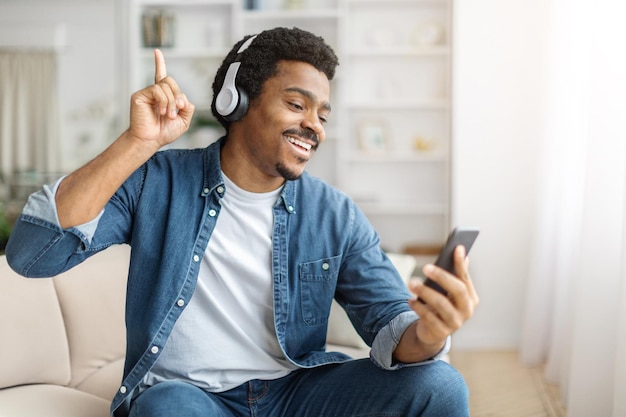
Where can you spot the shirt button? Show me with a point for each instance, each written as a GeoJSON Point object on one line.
{"type": "Point", "coordinates": [180, 302]}
{"type": "Point", "coordinates": [196, 258]}
{"type": "Point", "coordinates": [325, 266]}
{"type": "Point", "coordinates": [290, 209]}
{"type": "Point", "coordinates": [220, 189]}
{"type": "Point", "coordinates": [154, 349]}
{"type": "Point", "coordinates": [212, 213]}
{"type": "Point", "coordinates": [205, 191]}
{"type": "Point", "coordinates": [123, 389]}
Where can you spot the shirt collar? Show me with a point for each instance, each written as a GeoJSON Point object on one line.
{"type": "Point", "coordinates": [213, 177]}
{"type": "Point", "coordinates": [212, 168]}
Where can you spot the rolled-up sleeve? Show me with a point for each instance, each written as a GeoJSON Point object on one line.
{"type": "Point", "coordinates": [39, 247]}
{"type": "Point", "coordinates": [388, 338]}
{"type": "Point", "coordinates": [42, 205]}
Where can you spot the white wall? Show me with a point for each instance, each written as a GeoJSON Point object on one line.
{"type": "Point", "coordinates": [497, 78]}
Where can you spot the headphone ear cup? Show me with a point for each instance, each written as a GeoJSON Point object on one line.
{"type": "Point", "coordinates": [232, 102]}
{"type": "Point", "coordinates": [228, 97]}
{"type": "Point", "coordinates": [241, 109]}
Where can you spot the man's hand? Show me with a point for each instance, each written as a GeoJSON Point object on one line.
{"type": "Point", "coordinates": [440, 316]}
{"type": "Point", "coordinates": [160, 113]}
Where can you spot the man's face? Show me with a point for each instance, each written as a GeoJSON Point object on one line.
{"type": "Point", "coordinates": [285, 124]}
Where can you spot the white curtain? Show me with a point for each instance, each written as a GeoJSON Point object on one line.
{"type": "Point", "coordinates": [575, 310]}
{"type": "Point", "coordinates": [29, 112]}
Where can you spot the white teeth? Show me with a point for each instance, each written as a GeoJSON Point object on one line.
{"type": "Point", "coordinates": [299, 143]}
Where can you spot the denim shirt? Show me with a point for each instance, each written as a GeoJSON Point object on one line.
{"type": "Point", "coordinates": [322, 248]}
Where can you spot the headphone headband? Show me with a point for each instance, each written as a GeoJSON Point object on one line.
{"type": "Point", "coordinates": [246, 44]}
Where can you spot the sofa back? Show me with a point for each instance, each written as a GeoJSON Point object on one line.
{"type": "Point", "coordinates": [92, 297]}
{"type": "Point", "coordinates": [68, 330]}
{"type": "Point", "coordinates": [34, 346]}
{"type": "Point", "coordinates": [340, 329]}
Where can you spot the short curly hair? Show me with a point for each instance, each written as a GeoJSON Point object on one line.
{"type": "Point", "coordinates": [259, 61]}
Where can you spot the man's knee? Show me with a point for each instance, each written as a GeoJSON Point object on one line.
{"type": "Point", "coordinates": [442, 390]}
{"type": "Point", "coordinates": [450, 384]}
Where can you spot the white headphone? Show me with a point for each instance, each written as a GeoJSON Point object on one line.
{"type": "Point", "coordinates": [232, 102]}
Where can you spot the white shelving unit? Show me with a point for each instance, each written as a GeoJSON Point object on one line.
{"type": "Point", "coordinates": [324, 18]}
{"type": "Point", "coordinates": [202, 33]}
{"type": "Point", "coordinates": [388, 140]}
{"type": "Point", "coordinates": [395, 159]}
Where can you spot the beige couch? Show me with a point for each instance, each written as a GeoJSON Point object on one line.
{"type": "Point", "coordinates": [62, 346]}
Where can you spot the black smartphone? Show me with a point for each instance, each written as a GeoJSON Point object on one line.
{"type": "Point", "coordinates": [459, 236]}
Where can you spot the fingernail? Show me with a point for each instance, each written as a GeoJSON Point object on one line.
{"type": "Point", "coordinates": [415, 283]}
{"type": "Point", "coordinates": [428, 268]}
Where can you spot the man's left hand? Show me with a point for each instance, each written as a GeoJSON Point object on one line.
{"type": "Point", "coordinates": [440, 315]}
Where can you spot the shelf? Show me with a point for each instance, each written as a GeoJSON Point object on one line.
{"type": "Point", "coordinates": [401, 51]}
{"type": "Point", "coordinates": [399, 2]}
{"type": "Point", "coordinates": [393, 158]}
{"type": "Point", "coordinates": [402, 208]}
{"type": "Point", "coordinates": [291, 14]}
{"type": "Point", "coordinates": [182, 3]}
{"type": "Point", "coordinates": [177, 53]}
{"type": "Point", "coordinates": [430, 104]}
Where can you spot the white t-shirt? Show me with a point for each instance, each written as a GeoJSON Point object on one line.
{"type": "Point", "coordinates": [226, 335]}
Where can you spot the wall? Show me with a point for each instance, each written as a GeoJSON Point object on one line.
{"type": "Point", "coordinates": [497, 78]}
{"type": "Point", "coordinates": [89, 68]}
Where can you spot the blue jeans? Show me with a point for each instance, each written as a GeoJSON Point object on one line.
{"type": "Point", "coordinates": [353, 389]}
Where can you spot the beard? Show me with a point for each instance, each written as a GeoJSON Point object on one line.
{"type": "Point", "coordinates": [288, 174]}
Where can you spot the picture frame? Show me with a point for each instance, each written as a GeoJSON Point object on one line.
{"type": "Point", "coordinates": [373, 137]}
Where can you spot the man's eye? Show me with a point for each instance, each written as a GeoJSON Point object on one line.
{"type": "Point", "coordinates": [296, 106]}
{"type": "Point", "coordinates": [323, 119]}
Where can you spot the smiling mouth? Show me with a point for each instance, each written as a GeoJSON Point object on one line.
{"type": "Point", "coordinates": [301, 144]}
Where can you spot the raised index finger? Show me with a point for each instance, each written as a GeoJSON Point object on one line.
{"type": "Point", "coordinates": [159, 66]}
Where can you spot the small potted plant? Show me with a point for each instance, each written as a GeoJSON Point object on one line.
{"type": "Point", "coordinates": [204, 130]}
{"type": "Point", "coordinates": [5, 228]}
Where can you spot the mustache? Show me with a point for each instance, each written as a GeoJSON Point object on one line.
{"type": "Point", "coordinates": [305, 134]}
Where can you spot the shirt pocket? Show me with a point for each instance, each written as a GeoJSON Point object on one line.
{"type": "Point", "coordinates": [318, 280]}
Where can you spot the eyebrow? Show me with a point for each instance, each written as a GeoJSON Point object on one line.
{"type": "Point", "coordinates": [309, 95]}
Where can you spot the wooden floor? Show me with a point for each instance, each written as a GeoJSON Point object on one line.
{"type": "Point", "coordinates": [501, 387]}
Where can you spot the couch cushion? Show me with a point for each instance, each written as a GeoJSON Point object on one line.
{"type": "Point", "coordinates": [92, 297]}
{"type": "Point", "coordinates": [105, 382]}
{"type": "Point", "coordinates": [405, 264]}
{"type": "Point", "coordinates": [355, 353]}
{"type": "Point", "coordinates": [50, 401]}
{"type": "Point", "coordinates": [34, 345]}
{"type": "Point", "coordinates": [340, 329]}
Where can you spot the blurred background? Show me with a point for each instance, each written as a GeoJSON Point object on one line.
{"type": "Point", "coordinates": [501, 114]}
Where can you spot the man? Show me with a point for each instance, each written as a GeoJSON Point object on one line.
{"type": "Point", "coordinates": [237, 254]}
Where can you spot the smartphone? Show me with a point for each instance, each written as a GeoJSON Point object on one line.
{"type": "Point", "coordinates": [459, 236]}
